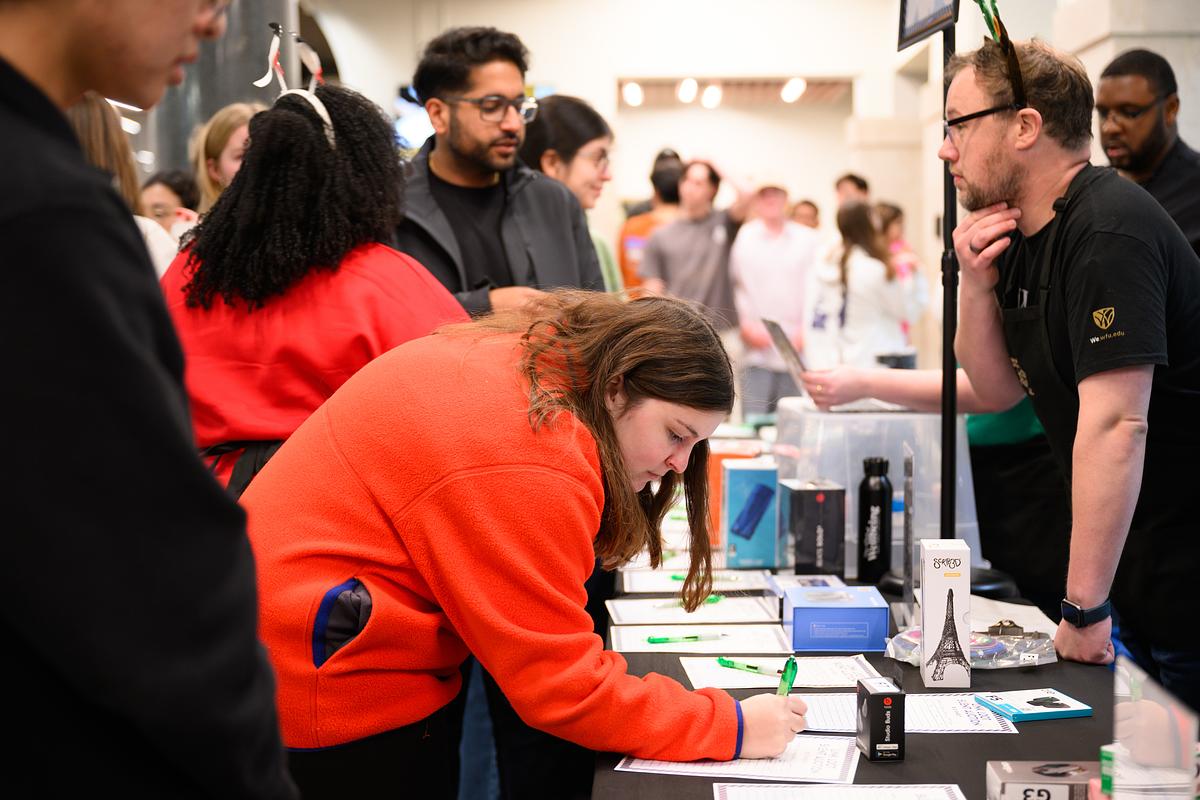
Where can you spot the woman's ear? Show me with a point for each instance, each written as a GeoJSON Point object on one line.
{"type": "Point", "coordinates": [615, 398]}
{"type": "Point", "coordinates": [553, 165]}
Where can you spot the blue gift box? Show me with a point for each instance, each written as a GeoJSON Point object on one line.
{"type": "Point", "coordinates": [748, 526]}
{"type": "Point", "coordinates": [842, 618]}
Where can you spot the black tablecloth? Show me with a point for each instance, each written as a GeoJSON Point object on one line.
{"type": "Point", "coordinates": [929, 757]}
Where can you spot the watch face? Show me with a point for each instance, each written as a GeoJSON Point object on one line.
{"type": "Point", "coordinates": [1072, 613]}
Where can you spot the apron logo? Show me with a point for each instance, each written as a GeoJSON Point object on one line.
{"type": "Point", "coordinates": [1021, 376]}
{"type": "Point", "coordinates": [1103, 317]}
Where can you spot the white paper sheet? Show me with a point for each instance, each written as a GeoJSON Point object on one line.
{"type": "Point", "coordinates": [667, 611]}
{"type": "Point", "coordinates": [812, 759]}
{"type": "Point", "coordinates": [923, 713]}
{"type": "Point", "coordinates": [811, 671]}
{"type": "Point", "coordinates": [790, 581]}
{"type": "Point", "coordinates": [733, 639]}
{"type": "Point", "coordinates": [787, 791]}
{"type": "Point", "coordinates": [671, 580]}
{"type": "Point", "coordinates": [985, 612]}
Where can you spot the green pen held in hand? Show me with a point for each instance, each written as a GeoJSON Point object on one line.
{"type": "Point", "coordinates": [788, 677]}
{"type": "Point", "coordinates": [744, 667]}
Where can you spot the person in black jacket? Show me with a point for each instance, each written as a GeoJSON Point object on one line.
{"type": "Point", "coordinates": [493, 231]}
{"type": "Point", "coordinates": [129, 602]}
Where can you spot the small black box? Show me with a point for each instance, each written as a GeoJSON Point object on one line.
{"type": "Point", "coordinates": [880, 720]}
{"type": "Point", "coordinates": [814, 513]}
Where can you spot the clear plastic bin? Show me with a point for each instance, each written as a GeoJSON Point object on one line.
{"type": "Point", "coordinates": [832, 445]}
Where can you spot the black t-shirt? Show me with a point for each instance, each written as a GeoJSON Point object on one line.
{"type": "Point", "coordinates": [1125, 291]}
{"type": "Point", "coordinates": [474, 215]}
{"type": "Point", "coordinates": [1176, 186]}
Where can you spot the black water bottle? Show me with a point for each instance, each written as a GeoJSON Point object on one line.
{"type": "Point", "coordinates": [874, 521]}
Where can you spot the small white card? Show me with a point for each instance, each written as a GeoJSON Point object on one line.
{"type": "Point", "coordinates": [824, 672]}
{"type": "Point", "coordinates": [812, 759]}
{"type": "Point", "coordinates": [787, 791]}
{"type": "Point", "coordinates": [639, 581]}
{"type": "Point", "coordinates": [669, 611]}
{"type": "Point", "coordinates": [700, 639]}
{"type": "Point", "coordinates": [923, 713]}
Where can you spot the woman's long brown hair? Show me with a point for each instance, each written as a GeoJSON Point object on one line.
{"type": "Point", "coordinates": [857, 227]}
{"type": "Point", "coordinates": [575, 344]}
{"type": "Point", "coordinates": [97, 125]}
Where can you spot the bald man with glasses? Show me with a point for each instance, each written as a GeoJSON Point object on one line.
{"type": "Point", "coordinates": [1079, 292]}
{"type": "Point", "coordinates": [1137, 106]}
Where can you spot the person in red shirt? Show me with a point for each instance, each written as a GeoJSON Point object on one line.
{"type": "Point", "coordinates": [285, 289]}
{"type": "Point", "coordinates": [451, 498]}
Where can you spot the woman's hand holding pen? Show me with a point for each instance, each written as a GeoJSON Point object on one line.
{"type": "Point", "coordinates": [769, 723]}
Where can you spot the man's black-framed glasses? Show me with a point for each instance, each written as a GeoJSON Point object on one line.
{"type": "Point", "coordinates": [949, 125]}
{"type": "Point", "coordinates": [493, 107]}
{"type": "Point", "coordinates": [1127, 112]}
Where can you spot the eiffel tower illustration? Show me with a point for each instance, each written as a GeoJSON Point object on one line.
{"type": "Point", "coordinates": [948, 651]}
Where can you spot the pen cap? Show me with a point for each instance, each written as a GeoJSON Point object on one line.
{"type": "Point", "coordinates": [874, 466]}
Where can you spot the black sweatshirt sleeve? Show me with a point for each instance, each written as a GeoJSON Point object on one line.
{"type": "Point", "coordinates": [127, 575]}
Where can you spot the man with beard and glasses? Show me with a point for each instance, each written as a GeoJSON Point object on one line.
{"type": "Point", "coordinates": [493, 231]}
{"type": "Point", "coordinates": [1079, 291]}
{"type": "Point", "coordinates": [1137, 103]}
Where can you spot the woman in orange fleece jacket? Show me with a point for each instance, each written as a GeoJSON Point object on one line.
{"type": "Point", "coordinates": [450, 498]}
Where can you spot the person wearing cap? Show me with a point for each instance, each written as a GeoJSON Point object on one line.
{"type": "Point", "coordinates": [770, 265]}
{"type": "Point", "coordinates": [129, 598]}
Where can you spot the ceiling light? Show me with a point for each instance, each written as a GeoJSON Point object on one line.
{"type": "Point", "coordinates": [792, 90]}
{"type": "Point", "coordinates": [711, 98]}
{"type": "Point", "coordinates": [632, 94]}
{"type": "Point", "coordinates": [131, 126]}
{"type": "Point", "coordinates": [687, 90]}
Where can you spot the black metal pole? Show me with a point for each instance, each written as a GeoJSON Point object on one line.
{"type": "Point", "coordinates": [949, 326]}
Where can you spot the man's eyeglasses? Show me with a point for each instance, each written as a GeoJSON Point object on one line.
{"type": "Point", "coordinates": [493, 107]}
{"type": "Point", "coordinates": [1126, 113]}
{"type": "Point", "coordinates": [950, 126]}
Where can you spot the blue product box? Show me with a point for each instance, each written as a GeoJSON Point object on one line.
{"type": "Point", "coordinates": [852, 619]}
{"type": "Point", "coordinates": [748, 520]}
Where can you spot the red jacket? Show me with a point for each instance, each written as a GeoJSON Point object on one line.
{"type": "Point", "coordinates": [423, 479]}
{"type": "Point", "coordinates": [258, 375]}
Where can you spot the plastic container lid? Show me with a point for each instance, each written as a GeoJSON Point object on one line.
{"type": "Point", "coordinates": [875, 466]}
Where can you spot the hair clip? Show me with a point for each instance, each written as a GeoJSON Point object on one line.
{"type": "Point", "coordinates": [310, 59]}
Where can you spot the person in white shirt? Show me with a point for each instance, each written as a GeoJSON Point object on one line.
{"type": "Point", "coordinates": [859, 299]}
{"type": "Point", "coordinates": [771, 262]}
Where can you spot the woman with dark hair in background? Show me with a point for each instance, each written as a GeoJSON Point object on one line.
{"type": "Point", "coordinates": [171, 198]}
{"type": "Point", "coordinates": [97, 126]}
{"type": "Point", "coordinates": [284, 289]}
{"type": "Point", "coordinates": [570, 142]}
{"type": "Point", "coordinates": [890, 218]}
{"type": "Point", "coordinates": [451, 498]}
{"type": "Point", "coordinates": [860, 300]}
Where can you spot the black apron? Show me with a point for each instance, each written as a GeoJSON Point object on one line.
{"type": "Point", "coordinates": [1159, 559]}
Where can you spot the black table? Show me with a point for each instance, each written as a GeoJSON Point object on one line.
{"type": "Point", "coordinates": [929, 757]}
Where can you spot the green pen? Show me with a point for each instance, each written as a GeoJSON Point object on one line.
{"type": "Point", "coordinates": [708, 601]}
{"type": "Point", "coordinates": [724, 578]}
{"type": "Point", "coordinates": [788, 677]}
{"type": "Point", "coordinates": [744, 667]}
{"type": "Point", "coordinates": [692, 637]}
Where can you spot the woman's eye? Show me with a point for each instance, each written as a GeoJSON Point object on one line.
{"type": "Point", "coordinates": [674, 437]}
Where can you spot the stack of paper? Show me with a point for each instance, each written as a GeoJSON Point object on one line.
{"type": "Point", "coordinates": [814, 759]}
{"type": "Point", "coordinates": [819, 672]}
{"type": "Point", "coordinates": [700, 639]}
{"type": "Point", "coordinates": [923, 713]}
{"type": "Point", "coordinates": [671, 580]}
{"type": "Point", "coordinates": [787, 791]}
{"type": "Point", "coordinates": [651, 611]}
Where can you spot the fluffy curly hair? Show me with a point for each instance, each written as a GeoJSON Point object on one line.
{"type": "Point", "coordinates": [297, 204]}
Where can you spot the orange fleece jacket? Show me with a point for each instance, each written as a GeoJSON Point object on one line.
{"type": "Point", "coordinates": [422, 478]}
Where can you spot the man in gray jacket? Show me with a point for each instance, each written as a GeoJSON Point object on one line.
{"type": "Point", "coordinates": [491, 230]}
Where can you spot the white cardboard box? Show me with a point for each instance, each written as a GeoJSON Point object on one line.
{"type": "Point", "coordinates": [945, 613]}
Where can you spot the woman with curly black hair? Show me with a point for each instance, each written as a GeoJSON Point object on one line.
{"type": "Point", "coordinates": [285, 289]}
